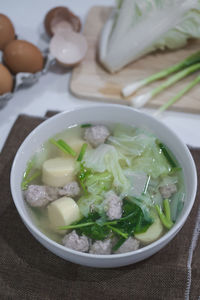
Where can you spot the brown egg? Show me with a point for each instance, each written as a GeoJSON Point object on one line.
{"type": "Point", "coordinates": [22, 56]}
{"type": "Point", "coordinates": [6, 80]}
{"type": "Point", "coordinates": [59, 14]}
{"type": "Point", "coordinates": [7, 31]}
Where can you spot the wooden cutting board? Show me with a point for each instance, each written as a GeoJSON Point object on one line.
{"type": "Point", "coordinates": [89, 80]}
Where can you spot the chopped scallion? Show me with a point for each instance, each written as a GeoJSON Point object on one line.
{"type": "Point", "coordinates": [28, 169]}
{"type": "Point", "coordinates": [29, 175]}
{"type": "Point", "coordinates": [25, 182]}
{"type": "Point", "coordinates": [164, 219]}
{"type": "Point", "coordinates": [86, 125]}
{"type": "Point", "coordinates": [82, 152]}
{"type": "Point", "coordinates": [62, 145]}
{"type": "Point", "coordinates": [167, 155]}
{"type": "Point", "coordinates": [167, 209]}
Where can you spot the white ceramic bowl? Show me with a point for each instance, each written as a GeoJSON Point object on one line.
{"type": "Point", "coordinates": [101, 114]}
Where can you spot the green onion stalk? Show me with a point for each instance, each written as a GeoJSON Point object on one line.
{"type": "Point", "coordinates": [82, 152]}
{"type": "Point", "coordinates": [63, 146]}
{"type": "Point", "coordinates": [141, 100]}
{"type": "Point", "coordinates": [187, 62]}
{"type": "Point", "coordinates": [174, 99]}
{"type": "Point", "coordinates": [165, 216]}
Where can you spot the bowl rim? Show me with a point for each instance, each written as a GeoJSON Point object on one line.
{"type": "Point", "coordinates": [33, 228]}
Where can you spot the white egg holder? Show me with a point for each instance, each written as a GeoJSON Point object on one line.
{"type": "Point", "coordinates": [24, 80]}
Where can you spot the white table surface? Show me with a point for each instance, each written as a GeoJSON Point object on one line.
{"type": "Point", "coordinates": [51, 92]}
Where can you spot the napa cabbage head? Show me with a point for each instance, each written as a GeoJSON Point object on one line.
{"type": "Point", "coordinates": [178, 36]}
{"type": "Point", "coordinates": [138, 27]}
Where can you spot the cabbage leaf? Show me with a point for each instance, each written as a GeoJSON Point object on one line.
{"type": "Point", "coordinates": [106, 158]}
{"type": "Point", "coordinates": [89, 203]}
{"type": "Point", "coordinates": [153, 162]}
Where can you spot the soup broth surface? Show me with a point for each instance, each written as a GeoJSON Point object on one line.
{"type": "Point", "coordinates": [124, 182]}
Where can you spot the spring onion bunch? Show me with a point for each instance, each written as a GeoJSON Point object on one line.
{"type": "Point", "coordinates": [141, 100]}
{"type": "Point", "coordinates": [177, 96]}
{"type": "Point", "coordinates": [187, 62]}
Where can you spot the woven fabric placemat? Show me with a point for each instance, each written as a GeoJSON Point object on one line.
{"type": "Point", "coordinates": [29, 271]}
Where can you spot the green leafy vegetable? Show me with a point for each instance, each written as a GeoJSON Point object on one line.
{"type": "Point", "coordinates": [144, 203]}
{"type": "Point", "coordinates": [140, 220]}
{"type": "Point", "coordinates": [132, 221]}
{"type": "Point", "coordinates": [118, 231]}
{"type": "Point", "coordinates": [90, 227]}
{"type": "Point", "coordinates": [62, 145]}
{"type": "Point", "coordinates": [77, 226]}
{"type": "Point", "coordinates": [97, 227]}
{"type": "Point", "coordinates": [95, 231]}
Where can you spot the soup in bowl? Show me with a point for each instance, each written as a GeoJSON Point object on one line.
{"type": "Point", "coordinates": [104, 185]}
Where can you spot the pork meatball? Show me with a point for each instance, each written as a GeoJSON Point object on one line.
{"type": "Point", "coordinates": [73, 241]}
{"type": "Point", "coordinates": [52, 193]}
{"type": "Point", "coordinates": [168, 190]}
{"type": "Point", "coordinates": [130, 244]}
{"type": "Point", "coordinates": [40, 195]}
{"type": "Point", "coordinates": [101, 247]}
{"type": "Point", "coordinates": [96, 135]}
{"type": "Point", "coordinates": [113, 206]}
{"type": "Point", "coordinates": [70, 190]}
